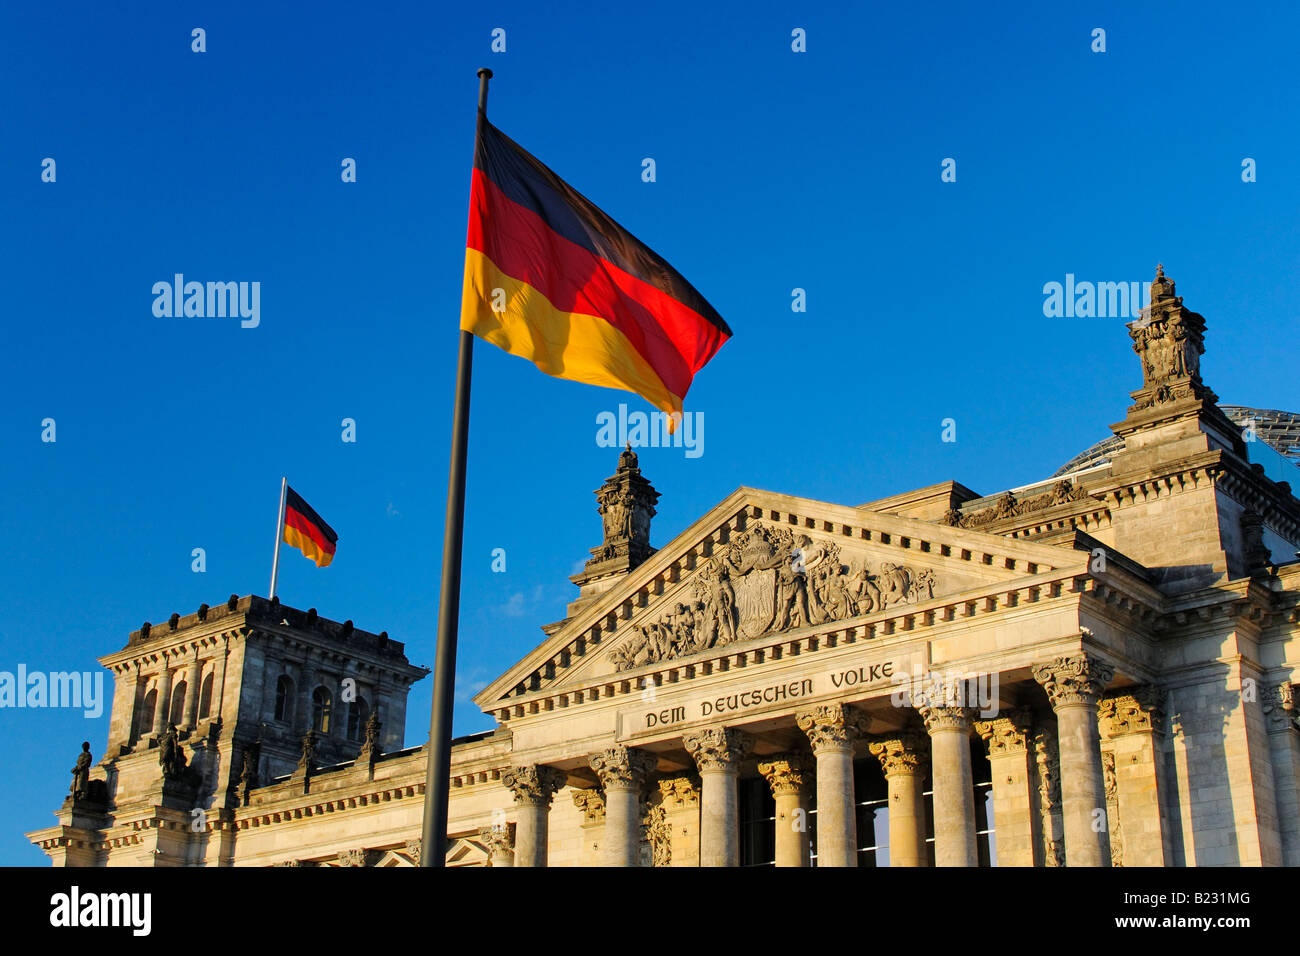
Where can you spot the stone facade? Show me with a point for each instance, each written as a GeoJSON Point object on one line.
{"type": "Point", "coordinates": [1118, 646]}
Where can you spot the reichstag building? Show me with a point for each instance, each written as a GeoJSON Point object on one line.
{"type": "Point", "coordinates": [1094, 669]}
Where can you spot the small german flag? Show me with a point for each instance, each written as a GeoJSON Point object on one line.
{"type": "Point", "coordinates": [551, 278]}
{"type": "Point", "coordinates": [306, 531]}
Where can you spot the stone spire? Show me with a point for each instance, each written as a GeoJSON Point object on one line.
{"type": "Point", "coordinates": [626, 503]}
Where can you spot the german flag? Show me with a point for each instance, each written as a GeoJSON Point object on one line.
{"type": "Point", "coordinates": [306, 531]}
{"type": "Point", "coordinates": [549, 277]}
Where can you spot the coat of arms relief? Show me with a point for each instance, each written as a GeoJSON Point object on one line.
{"type": "Point", "coordinates": [769, 580]}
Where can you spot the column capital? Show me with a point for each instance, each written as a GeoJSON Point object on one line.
{"type": "Point", "coordinates": [680, 791]}
{"type": "Point", "coordinates": [787, 773]}
{"type": "Point", "coordinates": [1007, 733]}
{"type": "Point", "coordinates": [1078, 679]}
{"type": "Point", "coordinates": [534, 785]}
{"type": "Point", "coordinates": [1141, 709]}
{"type": "Point", "coordinates": [622, 768]}
{"type": "Point", "coordinates": [592, 804]}
{"type": "Point", "coordinates": [904, 752]}
{"type": "Point", "coordinates": [947, 718]}
{"type": "Point", "coordinates": [498, 839]}
{"type": "Point", "coordinates": [718, 749]}
{"type": "Point", "coordinates": [832, 726]}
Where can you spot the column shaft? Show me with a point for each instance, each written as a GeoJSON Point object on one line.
{"type": "Point", "coordinates": [718, 752]}
{"type": "Point", "coordinates": [622, 772]}
{"type": "Point", "coordinates": [954, 793]}
{"type": "Point", "coordinates": [1074, 685]}
{"type": "Point", "coordinates": [192, 691]}
{"type": "Point", "coordinates": [1017, 821]}
{"type": "Point", "coordinates": [622, 827]}
{"type": "Point", "coordinates": [163, 701]}
{"type": "Point", "coordinates": [719, 819]}
{"type": "Point", "coordinates": [533, 788]}
{"type": "Point", "coordinates": [832, 729]}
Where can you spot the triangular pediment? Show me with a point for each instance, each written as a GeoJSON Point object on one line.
{"type": "Point", "coordinates": [760, 564]}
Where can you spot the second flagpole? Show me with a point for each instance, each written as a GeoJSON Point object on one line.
{"type": "Point", "coordinates": [279, 534]}
{"type": "Point", "coordinates": [437, 779]}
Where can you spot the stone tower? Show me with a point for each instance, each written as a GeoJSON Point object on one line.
{"type": "Point", "coordinates": [626, 503]}
{"type": "Point", "coordinates": [209, 706]}
{"type": "Point", "coordinates": [1230, 518]}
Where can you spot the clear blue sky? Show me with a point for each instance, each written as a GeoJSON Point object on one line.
{"type": "Point", "coordinates": [775, 170]}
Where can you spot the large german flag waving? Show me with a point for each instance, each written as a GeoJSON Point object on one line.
{"type": "Point", "coordinates": [306, 531]}
{"type": "Point", "coordinates": [549, 277]}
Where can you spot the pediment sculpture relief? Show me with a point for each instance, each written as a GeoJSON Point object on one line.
{"type": "Point", "coordinates": [770, 580]}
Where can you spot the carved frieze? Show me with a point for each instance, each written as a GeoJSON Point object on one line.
{"type": "Point", "coordinates": [1278, 702]}
{"type": "Point", "coordinates": [1007, 505]}
{"type": "Point", "coordinates": [1112, 807]}
{"type": "Point", "coordinates": [1047, 767]}
{"type": "Point", "coordinates": [769, 580]}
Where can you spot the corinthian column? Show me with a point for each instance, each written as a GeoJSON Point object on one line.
{"type": "Point", "coordinates": [717, 752]}
{"type": "Point", "coordinates": [1016, 819]}
{"type": "Point", "coordinates": [788, 775]}
{"type": "Point", "coordinates": [622, 771]}
{"type": "Point", "coordinates": [832, 729]}
{"type": "Point", "coordinates": [1074, 686]}
{"type": "Point", "coordinates": [533, 787]}
{"type": "Point", "coordinates": [905, 758]}
{"type": "Point", "coordinates": [954, 788]}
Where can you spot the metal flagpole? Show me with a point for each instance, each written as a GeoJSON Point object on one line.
{"type": "Point", "coordinates": [433, 844]}
{"type": "Point", "coordinates": [279, 533]}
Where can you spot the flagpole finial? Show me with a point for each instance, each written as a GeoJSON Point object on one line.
{"type": "Point", "coordinates": [484, 73]}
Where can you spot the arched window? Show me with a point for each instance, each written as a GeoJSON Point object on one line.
{"type": "Point", "coordinates": [284, 698]}
{"type": "Point", "coordinates": [178, 703]}
{"type": "Point", "coordinates": [145, 724]}
{"type": "Point", "coordinates": [205, 698]}
{"type": "Point", "coordinates": [357, 715]}
{"type": "Point", "coordinates": [321, 703]}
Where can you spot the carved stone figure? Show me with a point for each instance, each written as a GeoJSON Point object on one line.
{"type": "Point", "coordinates": [1169, 341]}
{"type": "Point", "coordinates": [170, 754]}
{"type": "Point", "coordinates": [307, 762]}
{"type": "Point", "coordinates": [81, 773]}
{"type": "Point", "coordinates": [248, 771]}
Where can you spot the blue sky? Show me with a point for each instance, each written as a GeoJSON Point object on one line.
{"type": "Point", "coordinates": [776, 170]}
